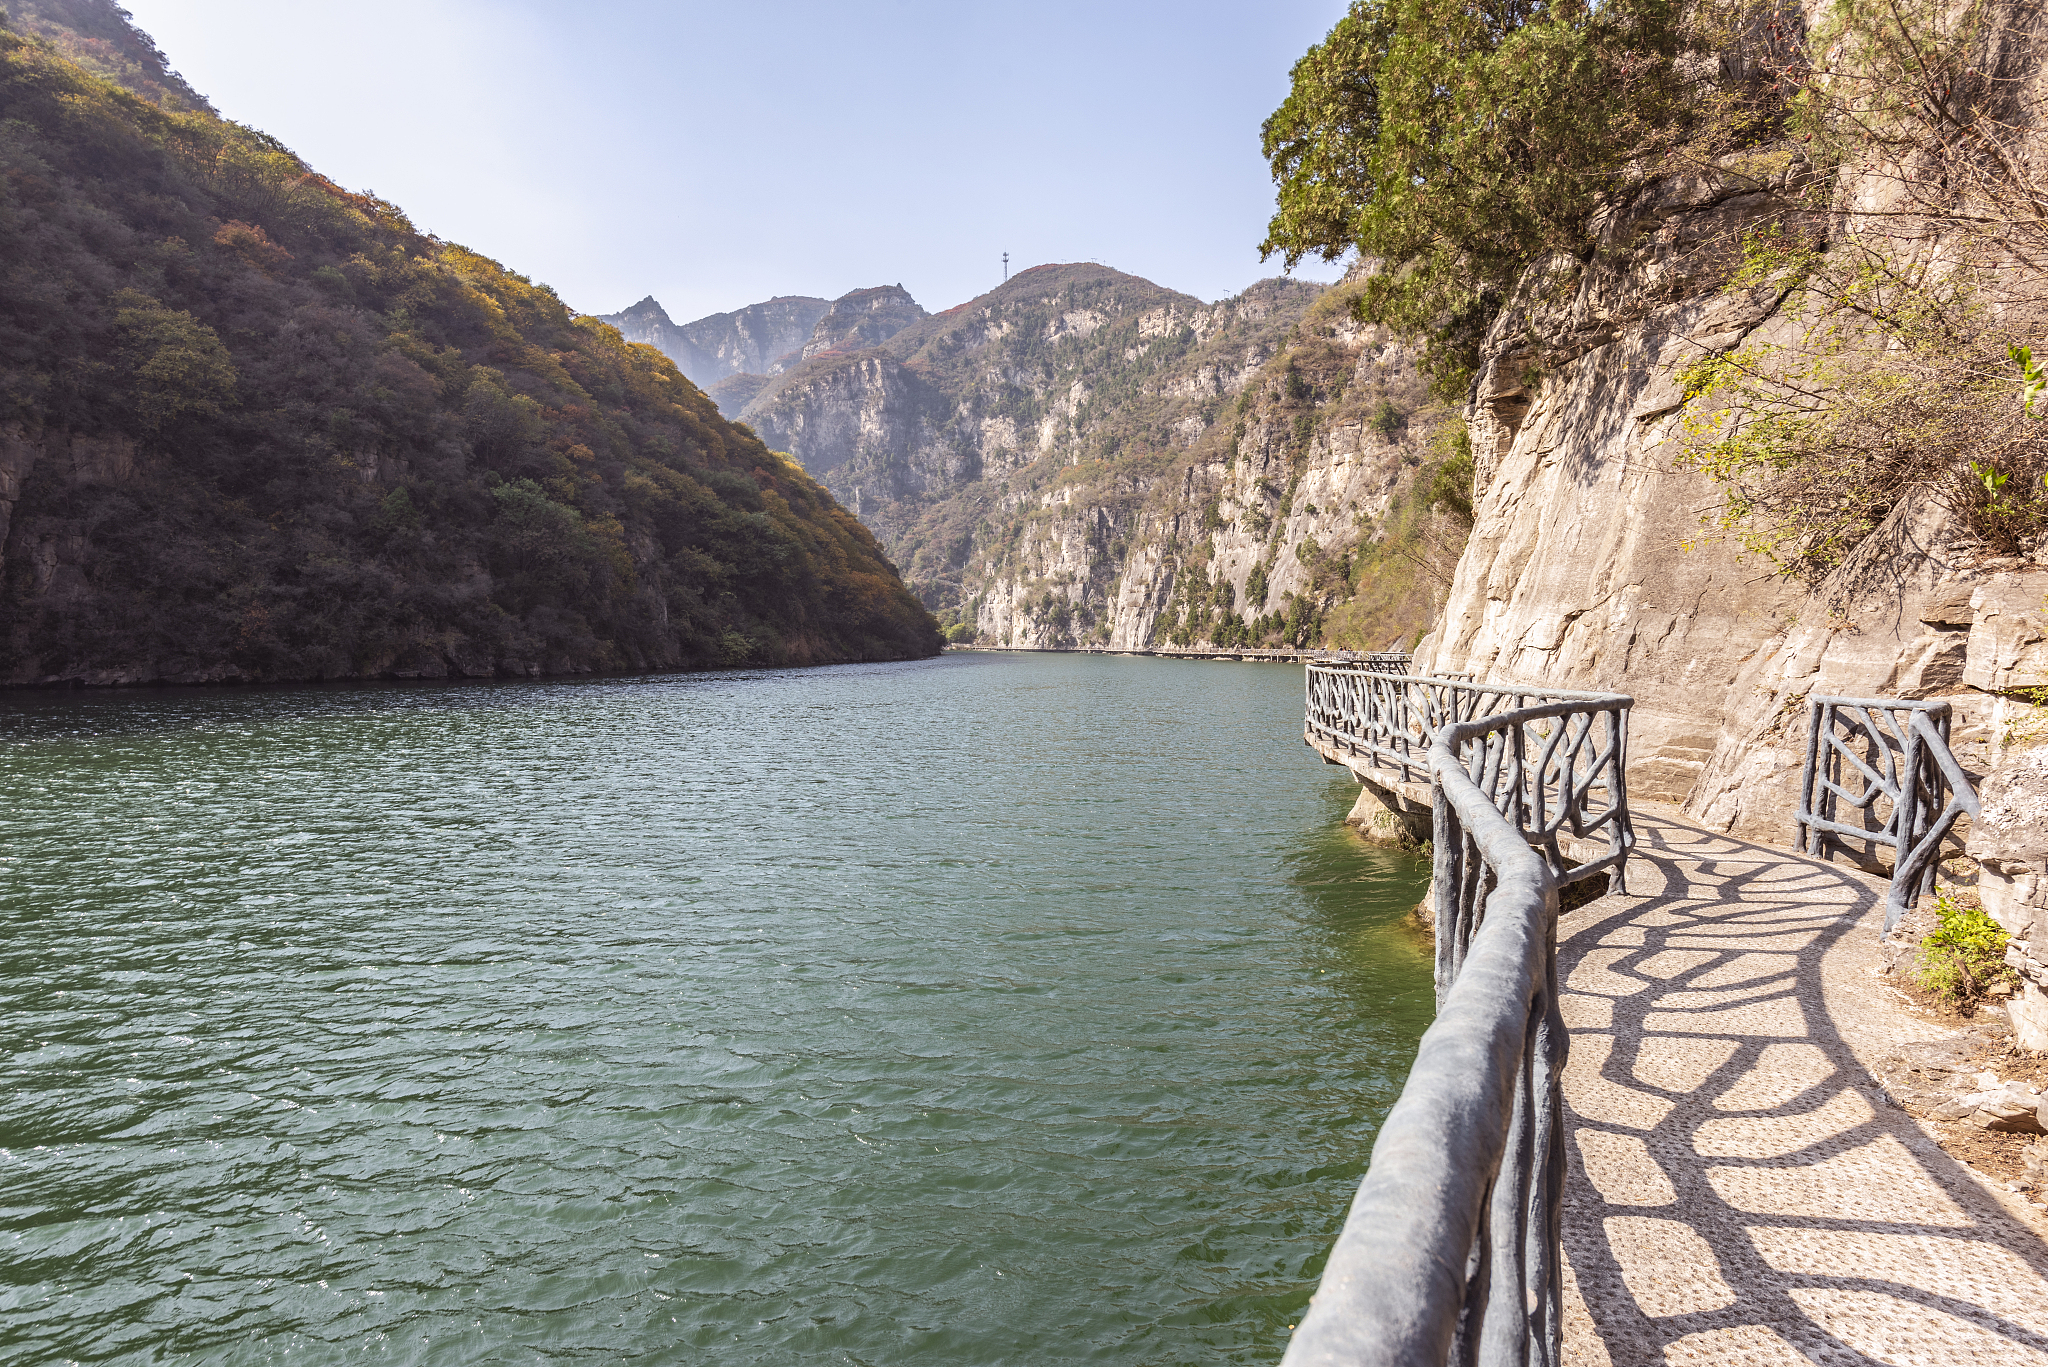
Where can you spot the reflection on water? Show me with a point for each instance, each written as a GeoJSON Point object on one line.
{"type": "Point", "coordinates": [990, 1009]}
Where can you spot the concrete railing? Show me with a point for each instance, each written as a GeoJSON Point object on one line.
{"type": "Point", "coordinates": [1577, 787]}
{"type": "Point", "coordinates": [1451, 1250]}
{"type": "Point", "coordinates": [1887, 761]}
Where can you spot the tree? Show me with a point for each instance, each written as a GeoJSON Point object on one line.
{"type": "Point", "coordinates": [1452, 143]}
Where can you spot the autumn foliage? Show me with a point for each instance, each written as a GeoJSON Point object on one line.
{"type": "Point", "coordinates": [256, 426]}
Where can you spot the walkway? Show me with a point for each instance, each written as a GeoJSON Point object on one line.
{"type": "Point", "coordinates": [1740, 1190]}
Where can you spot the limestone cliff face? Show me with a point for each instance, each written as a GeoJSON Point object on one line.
{"type": "Point", "coordinates": [1588, 567]}
{"type": "Point", "coordinates": [752, 340]}
{"type": "Point", "coordinates": [864, 318]}
{"type": "Point", "coordinates": [1265, 512]}
{"type": "Point", "coordinates": [1061, 461]}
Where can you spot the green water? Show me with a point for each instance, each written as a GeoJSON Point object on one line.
{"type": "Point", "coordinates": [994, 1009]}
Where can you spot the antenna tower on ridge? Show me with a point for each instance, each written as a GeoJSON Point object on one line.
{"type": "Point", "coordinates": [1006, 268]}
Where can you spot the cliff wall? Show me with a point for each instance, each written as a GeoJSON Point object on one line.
{"type": "Point", "coordinates": [1083, 457]}
{"type": "Point", "coordinates": [1589, 566]}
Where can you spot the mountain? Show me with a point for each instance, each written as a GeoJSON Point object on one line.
{"type": "Point", "coordinates": [96, 35]}
{"type": "Point", "coordinates": [864, 318]}
{"type": "Point", "coordinates": [254, 426]}
{"type": "Point", "coordinates": [749, 340]}
{"type": "Point", "coordinates": [732, 355]}
{"type": "Point", "coordinates": [1082, 456]}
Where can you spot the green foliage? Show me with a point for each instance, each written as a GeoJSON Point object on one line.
{"type": "Point", "coordinates": [1455, 142]}
{"type": "Point", "coordinates": [1451, 480]}
{"type": "Point", "coordinates": [96, 35]}
{"type": "Point", "coordinates": [1891, 386]}
{"type": "Point", "coordinates": [307, 442]}
{"type": "Point", "coordinates": [2033, 378]}
{"type": "Point", "coordinates": [1965, 956]}
{"type": "Point", "coordinates": [1387, 419]}
{"type": "Point", "coordinates": [178, 366]}
{"type": "Point", "coordinates": [1774, 254]}
{"type": "Point", "coordinates": [1898, 382]}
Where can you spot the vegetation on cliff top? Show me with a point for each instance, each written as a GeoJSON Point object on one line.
{"type": "Point", "coordinates": [1454, 146]}
{"type": "Point", "coordinates": [1455, 142]}
{"type": "Point", "coordinates": [263, 428]}
{"type": "Point", "coordinates": [1904, 370]}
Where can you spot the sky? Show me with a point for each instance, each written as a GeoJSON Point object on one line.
{"type": "Point", "coordinates": [714, 155]}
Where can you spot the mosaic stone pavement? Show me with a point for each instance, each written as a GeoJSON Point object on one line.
{"type": "Point", "coordinates": [1740, 1191]}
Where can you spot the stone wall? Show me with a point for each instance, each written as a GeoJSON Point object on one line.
{"type": "Point", "coordinates": [2009, 842]}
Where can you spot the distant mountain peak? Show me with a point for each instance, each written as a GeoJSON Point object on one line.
{"type": "Point", "coordinates": [647, 311]}
{"type": "Point", "coordinates": [746, 341]}
{"type": "Point", "coordinates": [864, 318]}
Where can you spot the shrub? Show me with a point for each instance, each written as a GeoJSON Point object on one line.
{"type": "Point", "coordinates": [1965, 956]}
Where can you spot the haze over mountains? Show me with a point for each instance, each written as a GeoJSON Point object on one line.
{"type": "Point", "coordinates": [765, 339]}
{"type": "Point", "coordinates": [754, 339]}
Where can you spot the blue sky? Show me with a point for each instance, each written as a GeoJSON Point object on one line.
{"type": "Point", "coordinates": [714, 155]}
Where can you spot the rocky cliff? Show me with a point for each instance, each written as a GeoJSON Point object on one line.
{"type": "Point", "coordinates": [1082, 456]}
{"type": "Point", "coordinates": [752, 340]}
{"type": "Point", "coordinates": [864, 318]}
{"type": "Point", "coordinates": [1589, 566]}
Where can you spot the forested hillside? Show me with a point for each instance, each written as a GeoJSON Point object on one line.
{"type": "Point", "coordinates": [254, 426]}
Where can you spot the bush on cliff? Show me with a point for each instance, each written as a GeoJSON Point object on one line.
{"type": "Point", "coordinates": [263, 428]}
{"type": "Point", "coordinates": [1907, 372]}
{"type": "Point", "coordinates": [1963, 961]}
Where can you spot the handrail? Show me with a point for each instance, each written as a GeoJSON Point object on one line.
{"type": "Point", "coordinates": [1905, 751]}
{"type": "Point", "coordinates": [1451, 1251]}
{"type": "Point", "coordinates": [1391, 720]}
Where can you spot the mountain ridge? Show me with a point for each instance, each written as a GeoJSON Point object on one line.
{"type": "Point", "coordinates": [257, 427]}
{"type": "Point", "coordinates": [1054, 462]}
{"type": "Point", "coordinates": [750, 340]}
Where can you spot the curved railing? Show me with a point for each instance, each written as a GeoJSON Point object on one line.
{"type": "Point", "coordinates": [1576, 788]}
{"type": "Point", "coordinates": [1451, 1250]}
{"type": "Point", "coordinates": [1888, 761]}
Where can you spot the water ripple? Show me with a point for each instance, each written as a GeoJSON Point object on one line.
{"type": "Point", "coordinates": [994, 1008]}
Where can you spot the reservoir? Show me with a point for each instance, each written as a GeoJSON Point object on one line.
{"type": "Point", "coordinates": [990, 1009]}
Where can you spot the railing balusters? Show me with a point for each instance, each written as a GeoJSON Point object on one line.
{"type": "Point", "coordinates": [1574, 785]}
{"type": "Point", "coordinates": [1451, 1253]}
{"type": "Point", "coordinates": [1907, 763]}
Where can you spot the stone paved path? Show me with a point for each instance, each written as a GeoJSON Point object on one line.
{"type": "Point", "coordinates": [1739, 1190]}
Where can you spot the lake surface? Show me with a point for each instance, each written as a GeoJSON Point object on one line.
{"type": "Point", "coordinates": [994, 1009]}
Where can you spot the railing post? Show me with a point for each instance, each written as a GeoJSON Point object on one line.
{"type": "Point", "coordinates": [1802, 830]}
{"type": "Point", "coordinates": [1907, 760]}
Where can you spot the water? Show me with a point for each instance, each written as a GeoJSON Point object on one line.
{"type": "Point", "coordinates": [995, 1009]}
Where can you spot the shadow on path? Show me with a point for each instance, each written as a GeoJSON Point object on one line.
{"type": "Point", "coordinates": [1739, 1189]}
